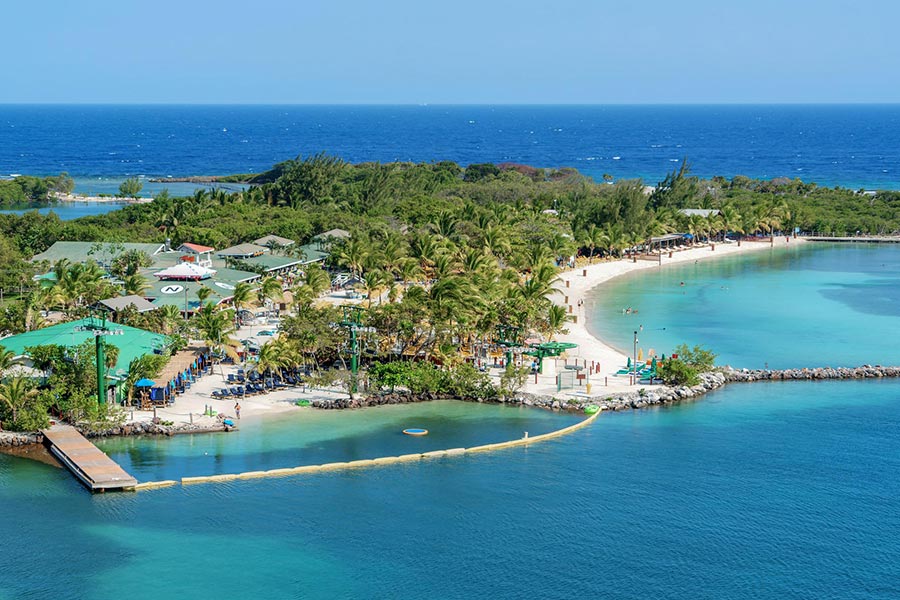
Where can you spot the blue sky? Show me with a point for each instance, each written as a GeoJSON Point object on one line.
{"type": "Point", "coordinates": [416, 51]}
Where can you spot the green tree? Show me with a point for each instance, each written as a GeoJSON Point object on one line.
{"type": "Point", "coordinates": [21, 406]}
{"type": "Point", "coordinates": [130, 188]}
{"type": "Point", "coordinates": [147, 366]}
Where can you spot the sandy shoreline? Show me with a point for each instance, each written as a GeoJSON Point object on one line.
{"type": "Point", "coordinates": [582, 280]}
{"type": "Point", "coordinates": [79, 199]}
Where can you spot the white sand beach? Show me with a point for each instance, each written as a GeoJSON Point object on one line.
{"type": "Point", "coordinates": [78, 198]}
{"type": "Point", "coordinates": [190, 406]}
{"type": "Point", "coordinates": [593, 350]}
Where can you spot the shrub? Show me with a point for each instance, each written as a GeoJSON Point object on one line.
{"type": "Point", "coordinates": [686, 369]}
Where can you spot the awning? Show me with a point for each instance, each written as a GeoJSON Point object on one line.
{"type": "Point", "coordinates": [186, 271]}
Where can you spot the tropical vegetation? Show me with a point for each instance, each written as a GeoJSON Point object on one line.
{"type": "Point", "coordinates": [444, 256]}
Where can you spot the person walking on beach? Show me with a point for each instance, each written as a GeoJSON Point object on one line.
{"type": "Point", "coordinates": [237, 409]}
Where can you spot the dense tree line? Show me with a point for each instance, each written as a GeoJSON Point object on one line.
{"type": "Point", "coordinates": [25, 189]}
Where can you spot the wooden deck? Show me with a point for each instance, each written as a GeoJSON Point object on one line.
{"type": "Point", "coordinates": [93, 468]}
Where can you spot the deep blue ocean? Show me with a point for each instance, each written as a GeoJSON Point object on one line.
{"type": "Point", "coordinates": [854, 145]}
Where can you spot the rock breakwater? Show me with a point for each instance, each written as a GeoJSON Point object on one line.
{"type": "Point", "coordinates": [863, 372]}
{"type": "Point", "coordinates": [148, 428]}
{"type": "Point", "coordinates": [12, 439]}
{"type": "Point", "coordinates": [577, 401]}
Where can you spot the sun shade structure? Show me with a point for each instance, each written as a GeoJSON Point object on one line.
{"type": "Point", "coordinates": [185, 272]}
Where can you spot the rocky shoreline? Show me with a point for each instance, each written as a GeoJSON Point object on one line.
{"type": "Point", "coordinates": [147, 428]}
{"type": "Point", "coordinates": [863, 372]}
{"type": "Point", "coordinates": [12, 439]}
{"type": "Point", "coordinates": [640, 398]}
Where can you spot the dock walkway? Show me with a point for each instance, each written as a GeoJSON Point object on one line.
{"type": "Point", "coordinates": [93, 468]}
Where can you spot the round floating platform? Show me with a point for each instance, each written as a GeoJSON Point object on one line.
{"type": "Point", "coordinates": [591, 409]}
{"type": "Point", "coordinates": [415, 431]}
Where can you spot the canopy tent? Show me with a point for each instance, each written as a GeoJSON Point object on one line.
{"type": "Point", "coordinates": [184, 271]}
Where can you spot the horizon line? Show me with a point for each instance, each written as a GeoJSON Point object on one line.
{"type": "Point", "coordinates": [453, 104]}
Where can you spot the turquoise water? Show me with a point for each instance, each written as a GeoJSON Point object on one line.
{"type": "Point", "coordinates": [804, 306]}
{"type": "Point", "coordinates": [312, 437]}
{"type": "Point", "coordinates": [768, 490]}
{"type": "Point", "coordinates": [742, 495]}
{"type": "Point", "coordinates": [69, 210]}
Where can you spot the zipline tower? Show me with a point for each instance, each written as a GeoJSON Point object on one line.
{"type": "Point", "coordinates": [508, 336]}
{"type": "Point", "coordinates": [98, 327]}
{"type": "Point", "coordinates": [352, 321]}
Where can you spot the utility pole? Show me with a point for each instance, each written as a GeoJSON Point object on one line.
{"type": "Point", "coordinates": [634, 364]}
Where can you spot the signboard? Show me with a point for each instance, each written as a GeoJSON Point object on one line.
{"type": "Point", "coordinates": [172, 289]}
{"type": "Point", "coordinates": [224, 286]}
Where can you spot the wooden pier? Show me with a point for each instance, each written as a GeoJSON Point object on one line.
{"type": "Point", "coordinates": [93, 468]}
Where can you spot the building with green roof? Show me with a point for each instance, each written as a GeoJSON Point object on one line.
{"type": "Point", "coordinates": [101, 252]}
{"type": "Point", "coordinates": [131, 342]}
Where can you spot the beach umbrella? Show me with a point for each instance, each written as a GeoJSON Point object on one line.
{"type": "Point", "coordinates": [640, 354]}
{"type": "Point", "coordinates": [653, 363]}
{"type": "Point", "coordinates": [145, 383]}
{"type": "Point", "coordinates": [628, 366]}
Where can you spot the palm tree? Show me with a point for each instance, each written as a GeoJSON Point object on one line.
{"type": "Point", "coordinates": [168, 315]}
{"type": "Point", "coordinates": [730, 220]}
{"type": "Point", "coordinates": [15, 394]}
{"type": "Point", "coordinates": [316, 278]}
{"type": "Point", "coordinates": [6, 359]}
{"type": "Point", "coordinates": [216, 327]}
{"type": "Point", "coordinates": [445, 225]}
{"type": "Point", "coordinates": [557, 317]}
{"type": "Point", "coordinates": [615, 239]}
{"type": "Point", "coordinates": [135, 284]}
{"type": "Point", "coordinates": [352, 254]}
{"type": "Point", "coordinates": [269, 358]}
{"type": "Point", "coordinates": [592, 237]}
{"type": "Point", "coordinates": [203, 294]}
{"type": "Point", "coordinates": [495, 241]}
{"type": "Point", "coordinates": [409, 270]}
{"type": "Point", "coordinates": [269, 289]}
{"type": "Point", "coordinates": [539, 287]}
{"type": "Point", "coordinates": [241, 295]}
{"type": "Point", "coordinates": [425, 248]}
{"type": "Point", "coordinates": [473, 261]}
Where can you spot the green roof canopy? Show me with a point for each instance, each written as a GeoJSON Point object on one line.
{"type": "Point", "coordinates": [102, 252]}
{"type": "Point", "coordinates": [132, 343]}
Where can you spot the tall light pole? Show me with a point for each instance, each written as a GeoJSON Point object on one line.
{"type": "Point", "coordinates": [99, 329]}
{"type": "Point", "coordinates": [634, 361]}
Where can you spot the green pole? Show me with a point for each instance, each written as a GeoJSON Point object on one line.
{"type": "Point", "coordinates": [101, 369]}
{"type": "Point", "coordinates": [354, 360]}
